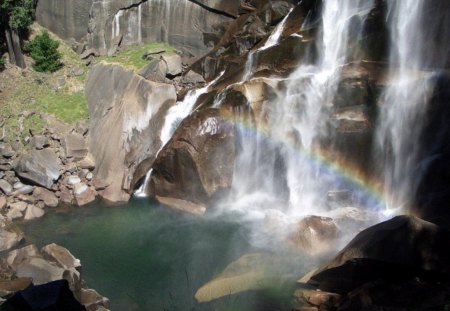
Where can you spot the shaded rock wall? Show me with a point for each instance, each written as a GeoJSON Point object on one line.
{"type": "Point", "coordinates": [102, 24]}
{"type": "Point", "coordinates": [127, 114]}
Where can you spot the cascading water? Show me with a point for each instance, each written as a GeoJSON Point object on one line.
{"type": "Point", "coordinates": [174, 116]}
{"type": "Point", "coordinates": [300, 112]}
{"type": "Point", "coordinates": [271, 41]}
{"type": "Point", "coordinates": [403, 104]}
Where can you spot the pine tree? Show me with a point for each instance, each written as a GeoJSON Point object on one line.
{"type": "Point", "coordinates": [44, 51]}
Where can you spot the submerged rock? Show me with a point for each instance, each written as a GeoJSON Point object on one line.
{"type": "Point", "coordinates": [250, 272]}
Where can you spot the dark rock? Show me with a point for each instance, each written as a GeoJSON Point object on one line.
{"type": "Point", "coordinates": [55, 295]}
{"type": "Point", "coordinates": [39, 166]}
{"type": "Point", "coordinates": [198, 161]}
{"type": "Point", "coordinates": [8, 287]}
{"type": "Point", "coordinates": [404, 246]}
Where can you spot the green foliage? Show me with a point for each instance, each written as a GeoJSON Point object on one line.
{"type": "Point", "coordinates": [2, 63]}
{"type": "Point", "coordinates": [131, 57]}
{"type": "Point", "coordinates": [17, 13]}
{"type": "Point", "coordinates": [44, 51]}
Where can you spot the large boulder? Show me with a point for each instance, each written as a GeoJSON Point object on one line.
{"type": "Point", "coordinates": [197, 163]}
{"type": "Point", "coordinates": [127, 115]}
{"type": "Point", "coordinates": [75, 146]}
{"type": "Point", "coordinates": [402, 247]}
{"type": "Point", "coordinates": [40, 167]}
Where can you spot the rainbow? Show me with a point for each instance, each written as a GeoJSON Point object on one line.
{"type": "Point", "coordinates": [324, 159]}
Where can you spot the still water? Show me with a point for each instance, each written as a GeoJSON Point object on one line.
{"type": "Point", "coordinates": [146, 257]}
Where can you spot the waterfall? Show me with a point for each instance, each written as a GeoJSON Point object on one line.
{"type": "Point", "coordinates": [174, 116]}
{"type": "Point", "coordinates": [271, 41]}
{"type": "Point", "coordinates": [404, 103]}
{"type": "Point", "coordinates": [301, 112]}
{"type": "Point", "coordinates": [116, 24]}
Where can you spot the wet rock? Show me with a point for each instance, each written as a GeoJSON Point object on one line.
{"type": "Point", "coordinates": [315, 234]}
{"type": "Point", "coordinates": [33, 212]}
{"type": "Point", "coordinates": [197, 163]}
{"type": "Point", "coordinates": [92, 300]}
{"type": "Point", "coordinates": [40, 142]}
{"type": "Point", "coordinates": [10, 234]}
{"type": "Point", "coordinates": [75, 146]}
{"type": "Point", "coordinates": [48, 197]}
{"type": "Point", "coordinates": [404, 246]}
{"type": "Point", "coordinates": [249, 272]}
{"type": "Point", "coordinates": [39, 166]}
{"type": "Point", "coordinates": [319, 298]}
{"type": "Point", "coordinates": [5, 187]}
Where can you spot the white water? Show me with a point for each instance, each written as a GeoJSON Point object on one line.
{"type": "Point", "coordinates": [271, 41]}
{"type": "Point", "coordinates": [264, 159]}
{"type": "Point", "coordinates": [403, 104]}
{"type": "Point", "coordinates": [174, 116]}
{"type": "Point", "coordinates": [116, 24]}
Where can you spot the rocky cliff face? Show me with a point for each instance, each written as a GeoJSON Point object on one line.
{"type": "Point", "coordinates": [193, 26]}
{"type": "Point", "coordinates": [127, 114]}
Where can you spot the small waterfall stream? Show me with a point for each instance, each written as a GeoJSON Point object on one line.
{"type": "Point", "coordinates": [271, 41]}
{"type": "Point", "coordinates": [175, 115]}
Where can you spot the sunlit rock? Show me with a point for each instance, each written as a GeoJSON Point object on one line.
{"type": "Point", "coordinates": [127, 114]}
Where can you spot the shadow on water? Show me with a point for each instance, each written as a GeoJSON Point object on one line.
{"type": "Point", "coordinates": [145, 257]}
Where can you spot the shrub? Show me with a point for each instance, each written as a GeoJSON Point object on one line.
{"type": "Point", "coordinates": [2, 63]}
{"type": "Point", "coordinates": [44, 51]}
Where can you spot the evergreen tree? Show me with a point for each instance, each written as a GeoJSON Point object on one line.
{"type": "Point", "coordinates": [15, 18]}
{"type": "Point", "coordinates": [44, 51]}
